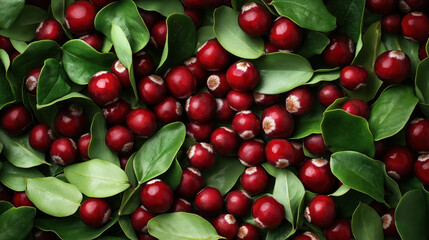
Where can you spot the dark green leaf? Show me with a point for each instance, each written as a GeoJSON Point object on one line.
{"type": "Point", "coordinates": [165, 7]}
{"type": "Point", "coordinates": [97, 147]}
{"type": "Point", "coordinates": [58, 8]}
{"type": "Point", "coordinates": [270, 169]}
{"type": "Point", "coordinates": [422, 81]}
{"type": "Point", "coordinates": [308, 123]}
{"type": "Point", "coordinates": [130, 201]}
{"type": "Point", "coordinates": [13, 177]}
{"type": "Point", "coordinates": [9, 12]}
{"type": "Point", "coordinates": [366, 224]}
{"type": "Point", "coordinates": [174, 175]}
{"type": "Point", "coordinates": [349, 14]}
{"type": "Point", "coordinates": [409, 184]}
{"type": "Point", "coordinates": [425, 109]}
{"type": "Point", "coordinates": [125, 223]}
{"type": "Point", "coordinates": [348, 202]}
{"type": "Point", "coordinates": [4, 206]}
{"type": "Point", "coordinates": [398, 42]}
{"type": "Point", "coordinates": [324, 75]}
{"type": "Point", "coordinates": [343, 189]}
{"type": "Point", "coordinates": [122, 46]}
{"type": "Point", "coordinates": [312, 44]}
{"type": "Point", "coordinates": [20, 46]}
{"type": "Point", "coordinates": [284, 231]}
{"type": "Point", "coordinates": [6, 96]}
{"type": "Point", "coordinates": [52, 82]}
{"type": "Point", "coordinates": [16, 223]}
{"type": "Point", "coordinates": [24, 28]}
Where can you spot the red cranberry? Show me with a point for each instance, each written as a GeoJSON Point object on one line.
{"type": "Point", "coordinates": [64, 151]}
{"type": "Point", "coordinates": [83, 145]}
{"type": "Point", "coordinates": [415, 26]}
{"type": "Point", "coordinates": [340, 51]}
{"type": "Point", "coordinates": [328, 93]}
{"type": "Point", "coordinates": [421, 168]}
{"type": "Point", "coordinates": [142, 122]}
{"type": "Point", "coordinates": [200, 132]}
{"type": "Point", "coordinates": [269, 48]}
{"type": "Point", "coordinates": [391, 23]}
{"type": "Point", "coordinates": [181, 205]}
{"type": "Point", "coordinates": [381, 6]}
{"type": "Point", "coordinates": [212, 56]}
{"type": "Point", "coordinates": [254, 19]}
{"type": "Point", "coordinates": [70, 121]}
{"type": "Point", "coordinates": [143, 64]}
{"type": "Point", "coordinates": [199, 72]}
{"type": "Point", "coordinates": [223, 112]}
{"type": "Point", "coordinates": [280, 153]}
{"type": "Point", "coordinates": [242, 76]}
{"type": "Point", "coordinates": [116, 113]}
{"type": "Point", "coordinates": [6, 45]}
{"type": "Point", "coordinates": [79, 17]}
{"type": "Point", "coordinates": [299, 153]}
{"type": "Point", "coordinates": [412, 5]}
{"type": "Point", "coordinates": [239, 101]}
{"type": "Point", "coordinates": [321, 211]}
{"type": "Point", "coordinates": [104, 88]}
{"type": "Point", "coordinates": [191, 183]}
{"type": "Point", "coordinates": [217, 84]}
{"type": "Point", "coordinates": [299, 101]}
{"type": "Point", "coordinates": [21, 199]}
{"type": "Point", "coordinates": [380, 208]}
{"type": "Point", "coordinates": [94, 40]}
{"type": "Point", "coordinates": [121, 72]}
{"type": "Point", "coordinates": [101, 3]}
{"type": "Point", "coordinates": [392, 66]}
{"type": "Point", "coordinates": [254, 180]}
{"type": "Point", "coordinates": [180, 82]}
{"type": "Point", "coordinates": [246, 124]}
{"type": "Point", "coordinates": [169, 110]}
{"type": "Point", "coordinates": [267, 212]}
{"type": "Point", "coordinates": [209, 201]}
{"type": "Point", "coordinates": [41, 137]}
{"type": "Point", "coordinates": [140, 218]}
{"type": "Point", "coordinates": [150, 17]}
{"type": "Point", "coordinates": [224, 140]}
{"type": "Point", "coordinates": [195, 15]}
{"type": "Point", "coordinates": [316, 175]}
{"type": "Point", "coordinates": [201, 107]}
{"type": "Point", "coordinates": [95, 212]}
{"type": "Point", "coordinates": [267, 100]}
{"type": "Point", "coordinates": [306, 236]}
{"type": "Point", "coordinates": [354, 77]}
{"type": "Point", "coordinates": [31, 80]}
{"type": "Point", "coordinates": [340, 230]}
{"type": "Point", "coordinates": [238, 203]}
{"type": "Point", "coordinates": [226, 226]}
{"type": "Point", "coordinates": [418, 135]}
{"type": "Point", "coordinates": [49, 29]}
{"type": "Point", "coordinates": [251, 152]}
{"type": "Point", "coordinates": [357, 107]}
{"type": "Point", "coordinates": [315, 144]}
{"type": "Point", "coordinates": [248, 232]}
{"type": "Point", "coordinates": [119, 139]}
{"type": "Point", "coordinates": [285, 34]}
{"type": "Point", "coordinates": [123, 159]}
{"type": "Point", "coordinates": [389, 227]}
{"type": "Point", "coordinates": [399, 162]}
{"type": "Point", "coordinates": [201, 155]}
{"type": "Point", "coordinates": [157, 196]}
{"type": "Point", "coordinates": [152, 89]}
{"type": "Point", "coordinates": [422, 51]}
{"type": "Point", "coordinates": [277, 122]}
{"type": "Point", "coordinates": [16, 119]}
{"type": "Point", "coordinates": [158, 34]}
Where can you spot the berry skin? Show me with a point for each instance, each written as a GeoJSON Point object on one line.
{"type": "Point", "coordinates": [254, 19]}
{"type": "Point", "coordinates": [209, 201]}
{"type": "Point", "coordinates": [381, 6]}
{"type": "Point", "coordinates": [246, 124]}
{"type": "Point", "coordinates": [299, 101]}
{"type": "Point", "coordinates": [200, 132]}
{"type": "Point", "coordinates": [226, 226]}
{"type": "Point", "coordinates": [142, 122]}
{"type": "Point", "coordinates": [254, 180]}
{"type": "Point", "coordinates": [71, 121]}
{"type": "Point", "coordinates": [79, 17]}
{"type": "Point", "coordinates": [201, 155]}
{"type": "Point", "coordinates": [49, 30]}
{"type": "Point", "coordinates": [421, 168]}
{"type": "Point", "coordinates": [199, 72]}
{"type": "Point", "coordinates": [15, 119]}
{"type": "Point", "coordinates": [149, 17]}
{"type": "Point", "coordinates": [238, 203]}
{"type": "Point", "coordinates": [63, 151]}
{"type": "Point", "coordinates": [399, 162]}
{"type": "Point", "coordinates": [267, 212]}
{"type": "Point", "coordinates": [104, 88]}
{"type": "Point", "coordinates": [95, 212]}
{"type": "Point", "coordinates": [158, 34]}
{"type": "Point", "coordinates": [217, 84]}
{"type": "Point", "coordinates": [116, 113]}
{"type": "Point", "coordinates": [267, 100]}
{"type": "Point", "coordinates": [94, 40]}
{"type": "Point", "coordinates": [316, 175]}
{"type": "Point", "coordinates": [340, 51]}
{"type": "Point", "coordinates": [277, 122]}
{"type": "Point", "coordinates": [41, 137]}
{"type": "Point", "coordinates": [417, 135]}
{"type": "Point", "coordinates": [388, 221]}
{"type": "Point", "coordinates": [6, 45]}
{"type": "Point", "coordinates": [239, 101]}
{"type": "Point", "coordinates": [328, 93]}
{"type": "Point", "coordinates": [212, 56]}
{"type": "Point", "coordinates": [321, 211]}
{"type": "Point", "coordinates": [251, 152]}
{"type": "Point", "coordinates": [248, 232]}
{"type": "Point", "coordinates": [407, 6]}
{"type": "Point", "coordinates": [392, 66]}
{"type": "Point", "coordinates": [306, 236]}
{"type": "Point", "coordinates": [169, 110]}
{"type": "Point", "coordinates": [121, 72]}
{"type": "Point", "coordinates": [280, 153]}
{"type": "Point", "coordinates": [201, 107]}
{"type": "Point", "coordinates": [422, 51]}
{"type": "Point", "coordinates": [140, 218]}
{"type": "Point", "coordinates": [242, 76]}
{"type": "Point", "coordinates": [180, 82]}
{"type": "Point", "coordinates": [223, 112]}
{"type": "Point", "coordinates": [315, 144]}
{"type": "Point", "coordinates": [195, 15]}
{"type": "Point", "coordinates": [285, 34]}
{"type": "Point", "coordinates": [224, 140]}
{"type": "Point", "coordinates": [83, 145]}
{"type": "Point", "coordinates": [354, 77]}
{"type": "Point", "coordinates": [340, 230]}
{"type": "Point", "coordinates": [21, 199]}
{"type": "Point", "coordinates": [299, 153]}
{"type": "Point", "coordinates": [143, 64]}
{"type": "Point", "coordinates": [101, 3]}
{"type": "Point", "coordinates": [415, 26]}
{"type": "Point", "coordinates": [119, 139]}
{"type": "Point", "coordinates": [191, 183]}
{"type": "Point", "coordinates": [357, 107]}
{"type": "Point", "coordinates": [157, 196]}
{"type": "Point", "coordinates": [152, 89]}
{"type": "Point", "coordinates": [391, 23]}
{"type": "Point", "coordinates": [181, 205]}
{"type": "Point", "coordinates": [31, 81]}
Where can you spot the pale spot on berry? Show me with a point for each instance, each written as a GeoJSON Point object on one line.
{"type": "Point", "coordinates": [179, 109]}
{"type": "Point", "coordinates": [250, 170]}
{"type": "Point", "coordinates": [187, 104]}
{"type": "Point", "coordinates": [248, 6]}
{"type": "Point", "coordinates": [416, 120]}
{"type": "Point", "coordinates": [156, 79]}
{"type": "Point", "coordinates": [39, 27]}
{"type": "Point", "coordinates": [259, 97]}
{"type": "Point", "coordinates": [386, 219]}
{"type": "Point", "coordinates": [99, 73]}
{"type": "Point", "coordinates": [397, 54]}
{"type": "Point", "coordinates": [120, 67]}
{"type": "Point", "coordinates": [293, 104]}
{"type": "Point", "coordinates": [202, 46]}
{"type": "Point", "coordinates": [31, 83]}
{"type": "Point", "coordinates": [311, 235]}
{"type": "Point", "coordinates": [282, 163]}
{"type": "Point", "coordinates": [228, 129]}
{"type": "Point", "coordinates": [351, 46]}
{"type": "Point", "coordinates": [242, 232]}
{"type": "Point", "coordinates": [106, 216]}
{"type": "Point", "coordinates": [417, 14]}
{"type": "Point", "coordinates": [307, 214]}
{"type": "Point", "coordinates": [127, 147]}
{"type": "Point", "coordinates": [423, 158]}
{"type": "Point", "coordinates": [247, 135]}
{"type": "Point", "coordinates": [213, 82]}
{"type": "Point", "coordinates": [394, 175]}
{"type": "Point", "coordinates": [268, 124]}
{"type": "Point", "coordinates": [191, 151]}
{"type": "Point", "coordinates": [229, 219]}
{"type": "Point", "coordinates": [194, 171]}
{"type": "Point", "coordinates": [259, 223]}
{"type": "Point", "coordinates": [359, 86]}
{"type": "Point", "coordinates": [242, 66]}
{"type": "Point", "coordinates": [219, 104]}
{"type": "Point", "coordinates": [190, 61]}
{"type": "Point", "coordinates": [244, 163]}
{"type": "Point", "coordinates": [319, 162]}
{"type": "Point", "coordinates": [207, 146]}
{"type": "Point", "coordinates": [76, 110]}
{"type": "Point", "coordinates": [403, 5]}
{"type": "Point", "coordinates": [58, 160]}
{"type": "Point", "coordinates": [52, 135]}
{"type": "Point", "coordinates": [153, 181]}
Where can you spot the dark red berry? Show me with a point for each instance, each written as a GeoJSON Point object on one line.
{"type": "Point", "coordinates": [158, 34]}
{"type": "Point", "coordinates": [340, 51]}
{"type": "Point", "coordinates": [217, 84]}
{"type": "Point", "coordinates": [226, 226]}
{"type": "Point", "coordinates": [254, 19]}
{"type": "Point", "coordinates": [299, 101]}
{"type": "Point", "coordinates": [83, 145]}
{"type": "Point", "coordinates": [201, 107]}
{"type": "Point", "coordinates": [254, 180]}
{"type": "Point", "coordinates": [140, 218]}
{"type": "Point", "coordinates": [21, 199]}
{"type": "Point", "coordinates": [180, 82]}
{"type": "Point", "coordinates": [316, 175]}
{"type": "Point", "coordinates": [157, 196]}
{"type": "Point", "coordinates": [251, 152]}
{"type": "Point", "coordinates": [116, 113]}
{"type": "Point", "coordinates": [248, 232]}
{"type": "Point", "coordinates": [41, 137]}
{"type": "Point", "coordinates": [104, 88]}
{"type": "Point", "coordinates": [280, 153]}
{"type": "Point", "coordinates": [199, 72]}
{"type": "Point", "coordinates": [328, 93]}
{"type": "Point", "coordinates": [392, 66]}
{"type": "Point", "coordinates": [354, 77]}
{"type": "Point", "coordinates": [142, 122]}
{"type": "Point", "coordinates": [389, 226]}
{"type": "Point", "coordinates": [71, 121]}
{"type": "Point", "coordinates": [285, 34]}
{"type": "Point", "coordinates": [415, 26]}
{"type": "Point", "coordinates": [212, 56]}
{"type": "Point", "coordinates": [94, 40]}
{"type": "Point", "coordinates": [238, 203]}
{"type": "Point", "coordinates": [15, 119]}
{"type": "Point", "coordinates": [267, 212]}
{"type": "Point", "coordinates": [121, 72]}
{"type": "Point", "coordinates": [95, 212]}
{"type": "Point", "coordinates": [391, 23]}
{"type": "Point", "coordinates": [340, 230]}
{"type": "Point", "coordinates": [64, 151]}
{"type": "Point", "coordinates": [49, 29]}
{"type": "Point", "coordinates": [223, 112]}
{"type": "Point", "coordinates": [224, 140]}
{"type": "Point", "coordinates": [200, 132]}
{"type": "Point", "coordinates": [209, 201]}
{"type": "Point", "coordinates": [152, 89]}
{"type": "Point", "coordinates": [119, 139]}
{"type": "Point", "coordinates": [191, 183]}
{"type": "Point", "coordinates": [169, 110]}
{"type": "Point", "coordinates": [239, 101]}
{"type": "Point", "coordinates": [143, 64]}
{"type": "Point", "coordinates": [418, 135]}
{"type": "Point", "coordinates": [201, 155]}
{"type": "Point", "coordinates": [315, 144]}
{"type": "Point", "coordinates": [79, 17]}
{"type": "Point", "coordinates": [357, 107]}
{"type": "Point", "coordinates": [321, 211]}
{"type": "Point", "coordinates": [277, 122]}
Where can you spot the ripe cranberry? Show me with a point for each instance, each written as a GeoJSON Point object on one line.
{"type": "Point", "coordinates": [79, 17]}
{"type": "Point", "coordinates": [158, 34]}
{"type": "Point", "coordinates": [238, 203]}
{"type": "Point", "coordinates": [212, 56]}
{"type": "Point", "coordinates": [299, 153]}
{"type": "Point", "coordinates": [41, 137]}
{"type": "Point", "coordinates": [306, 236]}
{"type": "Point", "coordinates": [391, 23]}
{"type": "Point", "coordinates": [340, 230]}
{"type": "Point", "coordinates": [152, 89]}
{"type": "Point", "coordinates": [412, 5]}
{"type": "Point", "coordinates": [149, 17]}
{"type": "Point", "coordinates": [415, 26]}
{"type": "Point", "coordinates": [83, 145]}
{"type": "Point", "coordinates": [389, 227]}
{"type": "Point", "coordinates": [357, 107]}
{"type": "Point", "coordinates": [101, 3]}
{"type": "Point", "coordinates": [200, 132]}
{"type": "Point", "coordinates": [180, 82]}
{"type": "Point", "coordinates": [201, 155]}
{"type": "Point", "coordinates": [121, 72]}
{"type": "Point", "coordinates": [248, 232]}
{"type": "Point", "coordinates": [417, 135]}
{"type": "Point", "coordinates": [316, 175]}
{"type": "Point", "coordinates": [169, 110]}
{"type": "Point", "coordinates": [277, 122]}
{"type": "Point", "coordinates": [422, 51]}
{"type": "Point", "coordinates": [201, 107]}
{"type": "Point", "coordinates": [239, 101]}
{"type": "Point", "coordinates": [251, 152]}
{"type": "Point", "coordinates": [267, 100]}
{"type": "Point", "coordinates": [49, 29]}
{"type": "Point", "coordinates": [195, 15]}
{"type": "Point", "coordinates": [140, 218]}
{"type": "Point", "coordinates": [392, 66]}
{"type": "Point", "coordinates": [123, 159]}
{"type": "Point", "coordinates": [267, 212]}
{"type": "Point", "coordinates": [328, 93]}
{"type": "Point", "coordinates": [223, 112]}
{"type": "Point", "coordinates": [224, 140]}
{"type": "Point", "coordinates": [421, 168]}
{"type": "Point", "coordinates": [157, 196]}
{"type": "Point", "coordinates": [354, 77]}
{"type": "Point", "coordinates": [242, 76]}
{"type": "Point", "coordinates": [64, 151]}
{"type": "Point", "coordinates": [280, 153]}
{"type": "Point", "coordinates": [94, 40]}
{"type": "Point", "coordinates": [217, 84]}
{"type": "Point", "coordinates": [116, 113]}
{"type": "Point", "coordinates": [254, 19]}
{"type": "Point", "coordinates": [269, 48]}
{"type": "Point", "coordinates": [191, 183]}
{"type": "Point", "coordinates": [315, 144]}
{"type": "Point", "coordinates": [31, 80]}
{"type": "Point", "coordinates": [142, 122]}
{"type": "Point", "coordinates": [95, 212]}
{"type": "Point", "coordinates": [181, 205]}
{"type": "Point", "coordinates": [104, 88]}
{"type": "Point", "coordinates": [6, 45]}
{"type": "Point", "coordinates": [119, 139]}
{"type": "Point", "coordinates": [209, 201]}
{"type": "Point", "coordinates": [15, 119]}
{"type": "Point", "coordinates": [285, 34]}
{"type": "Point", "coordinates": [299, 101]}
{"type": "Point", "coordinates": [199, 72]}
{"type": "Point", "coordinates": [340, 51]}
{"type": "Point", "coordinates": [226, 226]}
{"type": "Point", "coordinates": [21, 199]}
{"type": "Point", "coordinates": [321, 211]}
{"type": "Point", "coordinates": [254, 180]}
{"type": "Point", "coordinates": [381, 6]}
{"type": "Point", "coordinates": [399, 162]}
{"type": "Point", "coordinates": [71, 121]}
{"type": "Point", "coordinates": [143, 64]}
{"type": "Point", "coordinates": [246, 124]}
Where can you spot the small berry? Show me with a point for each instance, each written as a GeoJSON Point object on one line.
{"type": "Point", "coordinates": [415, 26]}
{"type": "Point", "coordinates": [142, 122]}
{"type": "Point", "coordinates": [285, 34]}
{"type": "Point", "coordinates": [340, 51]}
{"type": "Point", "coordinates": [254, 180]}
{"type": "Point", "coordinates": [357, 107]}
{"type": "Point", "coordinates": [140, 218]}
{"type": "Point", "coordinates": [246, 124]}
{"type": "Point", "coordinates": [21, 199]}
{"type": "Point", "coordinates": [104, 88]}
{"type": "Point", "coordinates": [267, 100]}
{"type": "Point", "coordinates": [316, 175]}
{"type": "Point", "coordinates": [95, 212]}
{"type": "Point", "coordinates": [49, 30]}
{"type": "Point", "coordinates": [83, 145]}
{"type": "Point", "coordinates": [277, 122]}
{"type": "Point", "coordinates": [64, 151]}
{"type": "Point", "coordinates": [391, 23]}
{"type": "Point", "coordinates": [200, 132]}
{"type": "Point", "coordinates": [399, 162]}
{"type": "Point", "coordinates": [267, 212]}
{"type": "Point", "coordinates": [217, 84]}
{"type": "Point", "coordinates": [321, 211]}
{"type": "Point", "coordinates": [381, 7]}
{"type": "Point", "coordinates": [421, 168]}
{"type": "Point", "coordinates": [392, 66]}
{"type": "Point", "coordinates": [248, 232]}
{"type": "Point", "coordinates": [169, 110]}
{"type": "Point", "coordinates": [180, 82]}
{"type": "Point", "coordinates": [79, 17]}
{"type": "Point", "coordinates": [121, 72]}
{"type": "Point", "coordinates": [299, 101]}
{"type": "Point", "coordinates": [328, 93]}
{"type": "Point", "coordinates": [119, 139]}
{"type": "Point", "coordinates": [15, 119]}
{"type": "Point", "coordinates": [417, 135]}
{"type": "Point", "coordinates": [152, 89]}
{"type": "Point", "coordinates": [280, 153]}
{"type": "Point", "coordinates": [315, 144]}
{"type": "Point", "coordinates": [226, 226]}
{"type": "Point", "coordinates": [212, 56]}
{"type": "Point", "coordinates": [238, 203]}
{"type": "Point", "coordinates": [143, 64]}
{"type": "Point", "coordinates": [201, 155]}
{"type": "Point", "coordinates": [158, 34]}
{"type": "Point", "coordinates": [156, 196]}
{"type": "Point", "coordinates": [71, 121]}
{"type": "Point", "coordinates": [224, 140]}
{"type": "Point", "coordinates": [251, 152]}
{"type": "Point", "coordinates": [181, 205]}
{"type": "Point", "coordinates": [354, 77]}
{"type": "Point", "coordinates": [116, 113]}
{"type": "Point", "coordinates": [340, 230]}
{"type": "Point", "coordinates": [388, 221]}
{"type": "Point", "coordinates": [94, 40]}
{"type": "Point", "coordinates": [191, 183]}
{"type": "Point", "coordinates": [201, 107]}
{"type": "Point", "coordinates": [254, 19]}
{"type": "Point", "coordinates": [223, 112]}
{"type": "Point", "coordinates": [209, 201]}
{"type": "Point", "coordinates": [41, 137]}
{"type": "Point", "coordinates": [239, 101]}
{"type": "Point", "coordinates": [199, 72]}
{"type": "Point", "coordinates": [242, 76]}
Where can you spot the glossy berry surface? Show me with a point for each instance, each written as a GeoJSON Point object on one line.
{"type": "Point", "coordinates": [201, 155]}
{"type": "Point", "coordinates": [217, 84]}
{"type": "Point", "coordinates": [246, 124]}
{"type": "Point", "coordinates": [191, 183]}
{"type": "Point", "coordinates": [143, 64]}
{"type": "Point", "coordinates": [116, 113]}
{"type": "Point", "coordinates": [64, 151]}
{"type": "Point", "coordinates": [339, 52]}
{"type": "Point", "coordinates": [21, 199]}
{"type": "Point", "coordinates": [83, 145]}
{"type": "Point", "coordinates": [315, 144]}
{"type": "Point", "coordinates": [31, 80]}
{"type": "Point", "coordinates": [142, 122]}
{"type": "Point", "coordinates": [381, 6]}
{"type": "Point", "coordinates": [104, 88]}
{"type": "Point", "coordinates": [251, 152]}
{"type": "Point", "coordinates": [328, 93]}
{"type": "Point", "coordinates": [285, 34]}
{"type": "Point", "coordinates": [280, 153]}
{"type": "Point", "coordinates": [354, 77]}
{"type": "Point", "coordinates": [248, 232]}
{"type": "Point", "coordinates": [254, 19]}
{"type": "Point", "coordinates": [299, 101]}
{"type": "Point", "coordinates": [321, 211]}
{"type": "Point", "coordinates": [316, 175]}
{"type": "Point", "coordinates": [119, 139]}
{"type": "Point", "coordinates": [357, 107]}
{"type": "Point", "coordinates": [226, 226]}
{"type": "Point", "coordinates": [201, 107]}
{"type": "Point", "coordinates": [277, 122]}
{"type": "Point", "coordinates": [95, 212]}
{"type": "Point", "coordinates": [238, 203]}
{"type": "Point", "coordinates": [79, 17]}
{"type": "Point", "coordinates": [224, 140]}
{"type": "Point", "coordinates": [181, 205]}
{"type": "Point", "coordinates": [254, 180]}
{"type": "Point", "coordinates": [152, 89]}
{"type": "Point", "coordinates": [417, 135]}
{"type": "Point", "coordinates": [41, 137]}
{"type": "Point", "coordinates": [415, 26]}
{"type": "Point", "coordinates": [267, 100]}
{"type": "Point", "coordinates": [71, 120]}
{"type": "Point", "coordinates": [306, 236]}
{"type": "Point", "coordinates": [223, 112]}
{"type": "Point", "coordinates": [391, 23]}
{"type": "Point", "coordinates": [169, 110]}
{"type": "Point", "coordinates": [267, 212]}
{"type": "Point", "coordinates": [242, 76]}
{"type": "Point", "coordinates": [15, 119]}
{"type": "Point", "coordinates": [399, 162]}
{"type": "Point", "coordinates": [199, 72]}
{"type": "Point", "coordinates": [212, 56]}
{"type": "Point", "coordinates": [209, 201]}
{"type": "Point", "coordinates": [94, 40]}
{"type": "Point", "coordinates": [388, 223]}
{"type": "Point", "coordinates": [180, 82]}
{"type": "Point", "coordinates": [239, 101]}
{"type": "Point", "coordinates": [157, 196]}
{"type": "Point", "coordinates": [158, 34]}
{"type": "Point", "coordinates": [392, 66]}
{"type": "Point", "coordinates": [339, 230]}
{"type": "Point", "coordinates": [421, 168]}
{"type": "Point", "coordinates": [49, 30]}
{"type": "Point", "coordinates": [200, 132]}
{"type": "Point", "coordinates": [140, 218]}
{"type": "Point", "coordinates": [121, 72]}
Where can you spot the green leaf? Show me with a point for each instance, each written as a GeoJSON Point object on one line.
{"type": "Point", "coordinates": [58, 8]}
{"type": "Point", "coordinates": [4, 206]}
{"type": "Point", "coordinates": [18, 151]}
{"type": "Point", "coordinates": [158, 152]}
{"type": "Point", "coordinates": [424, 108]}
{"type": "Point", "coordinates": [81, 61]}
{"type": "Point", "coordinates": [348, 202]}
{"type": "Point", "coordinates": [174, 175]}
{"type": "Point", "coordinates": [122, 46]}
{"type": "Point", "coordinates": [324, 75]}
{"type": "Point", "coordinates": [281, 72]}
{"type": "Point", "coordinates": [20, 46]}
{"type": "Point", "coordinates": [133, 26]}
{"type": "Point", "coordinates": [165, 7]}
{"type": "Point", "coordinates": [97, 178]}
{"type": "Point", "coordinates": [366, 224]}
{"type": "Point", "coordinates": [359, 172]}
{"type": "Point", "coordinates": [181, 226]}
{"type": "Point", "coordinates": [312, 44]}
{"type": "Point", "coordinates": [391, 111]}
{"type": "Point", "coordinates": [204, 34]}
{"type": "Point", "coordinates": [53, 196]}
{"type": "Point", "coordinates": [284, 231]}
{"type": "Point", "coordinates": [349, 14]}
{"type": "Point", "coordinates": [342, 131]}
{"type": "Point", "coordinates": [422, 81]}
{"type": "Point", "coordinates": [398, 42]}
{"type": "Point", "coordinates": [233, 38]}
{"type": "Point", "coordinates": [9, 12]}
{"type": "Point", "coordinates": [309, 123]}
{"type": "Point", "coordinates": [16, 223]}
{"type": "Point", "coordinates": [6, 96]}
{"type": "Point", "coordinates": [310, 14]}
{"type": "Point", "coordinates": [13, 177]}
{"type": "Point", "coordinates": [224, 173]}
{"type": "Point", "coordinates": [52, 83]}
{"type": "Point", "coordinates": [97, 147]}
{"type": "Point", "coordinates": [127, 227]}
{"type": "Point", "coordinates": [343, 189]}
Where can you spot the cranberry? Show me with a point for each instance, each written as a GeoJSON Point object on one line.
{"type": "Point", "coordinates": [223, 112]}
{"type": "Point", "coordinates": [71, 121]}
{"type": "Point", "coordinates": [242, 76]}
{"type": "Point", "coordinates": [422, 51]}
{"type": "Point", "coordinates": [306, 236]}
{"type": "Point", "coordinates": [381, 6]}
{"type": "Point", "coordinates": [315, 144]}
{"type": "Point", "coordinates": [201, 107]}
{"type": "Point", "coordinates": [212, 56]}
{"type": "Point", "coordinates": [421, 168]}
{"type": "Point", "coordinates": [195, 15]}
{"type": "Point", "coordinates": [63, 151]}
{"type": "Point", "coordinates": [238, 203]}
{"type": "Point", "coordinates": [254, 180]}
{"type": "Point", "coordinates": [191, 183]}
{"type": "Point", "coordinates": [101, 3]}
{"type": "Point", "coordinates": [143, 64]}
{"type": "Point", "coordinates": [357, 107]}
{"type": "Point", "coordinates": [226, 226]}
{"type": "Point", "coordinates": [380, 149]}
{"type": "Point", "coordinates": [157, 196]}
{"type": "Point", "coordinates": [41, 137]}
{"type": "Point", "coordinates": [169, 110]}
{"type": "Point", "coordinates": [391, 23]}
{"type": "Point", "coordinates": [321, 211]}
{"type": "Point", "coordinates": [121, 72]}
{"type": "Point", "coordinates": [389, 227]}
{"type": "Point", "coordinates": [83, 145]}
{"type": "Point", "coordinates": [280, 153]}
{"type": "Point", "coordinates": [299, 153]}
{"type": "Point", "coordinates": [267, 100]}
{"type": "Point", "coordinates": [180, 82]}
{"type": "Point", "coordinates": [269, 48]}
{"type": "Point", "coordinates": [31, 80]}
{"type": "Point", "coordinates": [267, 212]}
{"type": "Point", "coordinates": [119, 139]}
{"type": "Point", "coordinates": [246, 124]}
{"type": "Point", "coordinates": [199, 72]}
{"type": "Point", "coordinates": [150, 17]}
{"type": "Point", "coordinates": [254, 19]}
{"type": "Point", "coordinates": [277, 122]}
{"type": "Point", "coordinates": [224, 140]}
{"type": "Point", "coordinates": [417, 135]}
{"type": "Point", "coordinates": [49, 30]}
{"type": "Point", "coordinates": [285, 34]}
{"type": "Point", "coordinates": [412, 5]}
{"type": "Point", "coordinates": [251, 152]}
{"type": "Point", "coordinates": [95, 212]}
{"type": "Point", "coordinates": [415, 26]}
{"type": "Point", "coordinates": [328, 93]}
{"type": "Point", "coordinates": [6, 45]}
{"type": "Point", "coordinates": [104, 88]}
{"type": "Point", "coordinates": [217, 84]}
{"type": "Point", "coordinates": [209, 201]}
{"type": "Point", "coordinates": [200, 132]}
{"type": "Point", "coordinates": [201, 155]}
{"type": "Point", "coordinates": [94, 40]}
{"type": "Point", "coordinates": [248, 232]}
{"type": "Point", "coordinates": [340, 51]}
{"type": "Point", "coordinates": [354, 77]}
{"type": "Point", "coordinates": [299, 101]}
{"type": "Point", "coordinates": [123, 159]}
{"type": "Point", "coordinates": [316, 175]}
{"type": "Point", "coordinates": [152, 89]}
{"type": "Point", "coordinates": [392, 66]}
{"type": "Point", "coordinates": [158, 34]}
{"type": "Point", "coordinates": [21, 199]}
{"type": "Point", "coordinates": [140, 218]}
{"type": "Point", "coordinates": [79, 17]}
{"type": "Point", "coordinates": [340, 230]}
{"type": "Point", "coordinates": [239, 101]}
{"type": "Point", "coordinates": [142, 122]}
{"type": "Point", "coordinates": [116, 113]}
{"type": "Point", "coordinates": [16, 119]}
{"type": "Point", "coordinates": [181, 205]}
{"type": "Point", "coordinates": [399, 162]}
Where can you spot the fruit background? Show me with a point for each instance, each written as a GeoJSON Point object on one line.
{"type": "Point", "coordinates": [214, 119]}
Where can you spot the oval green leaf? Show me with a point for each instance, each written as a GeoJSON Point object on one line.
{"type": "Point", "coordinates": [58, 8]}
{"type": "Point", "coordinates": [349, 14]}
{"type": "Point", "coordinates": [24, 27]}
{"type": "Point", "coordinates": [52, 83]}
{"type": "Point", "coordinates": [165, 7]}
{"type": "Point", "coordinates": [324, 75]}
{"type": "Point", "coordinates": [366, 224]}
{"type": "Point", "coordinates": [173, 176]}
{"type": "Point", "coordinates": [309, 123]}
{"type": "Point", "coordinates": [122, 46]}
{"type": "Point", "coordinates": [7, 96]}
{"type": "Point", "coordinates": [422, 81]}
{"type": "Point", "coordinates": [204, 34]}
{"type": "Point", "coordinates": [312, 44]}
{"type": "Point", "coordinates": [16, 223]}
{"type": "Point", "coordinates": [127, 227]}
{"type": "Point", "coordinates": [97, 147]}
{"type": "Point", "coordinates": [9, 12]}
{"type": "Point", "coordinates": [13, 177]}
